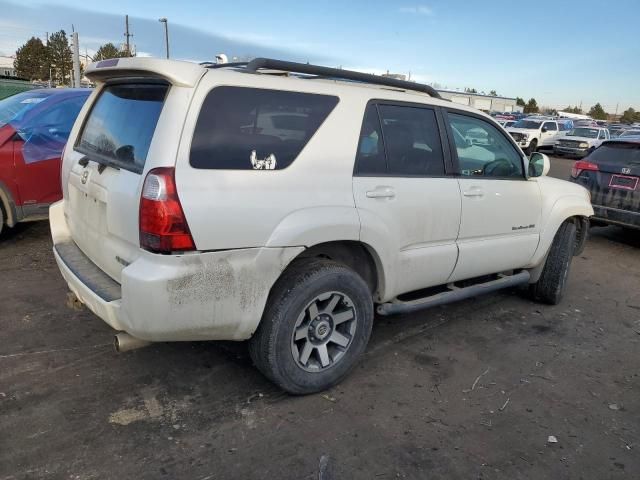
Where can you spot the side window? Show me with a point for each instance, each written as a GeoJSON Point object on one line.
{"type": "Point", "coordinates": [371, 159]}
{"type": "Point", "coordinates": [550, 126]}
{"type": "Point", "coordinates": [248, 128]}
{"type": "Point", "coordinates": [412, 141]}
{"type": "Point", "coordinates": [482, 150]}
{"type": "Point", "coordinates": [602, 135]}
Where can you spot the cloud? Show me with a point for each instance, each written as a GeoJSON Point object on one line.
{"type": "Point", "coordinates": [417, 10]}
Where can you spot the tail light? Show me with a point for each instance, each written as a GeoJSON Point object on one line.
{"type": "Point", "coordinates": [163, 226]}
{"type": "Point", "coordinates": [580, 166]}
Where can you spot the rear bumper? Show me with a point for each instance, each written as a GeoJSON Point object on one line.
{"type": "Point", "coordinates": [200, 296]}
{"type": "Point", "coordinates": [615, 216]}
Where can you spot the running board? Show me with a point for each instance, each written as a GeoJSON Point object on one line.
{"type": "Point", "coordinates": [453, 295]}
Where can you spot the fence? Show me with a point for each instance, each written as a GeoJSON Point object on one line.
{"type": "Point", "coordinates": [11, 86]}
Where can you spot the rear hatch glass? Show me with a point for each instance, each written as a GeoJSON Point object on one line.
{"type": "Point", "coordinates": [120, 126]}
{"type": "Point", "coordinates": [102, 203]}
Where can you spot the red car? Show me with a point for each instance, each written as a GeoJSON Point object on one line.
{"type": "Point", "coordinates": [34, 128]}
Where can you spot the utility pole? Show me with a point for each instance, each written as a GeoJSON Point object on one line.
{"type": "Point", "coordinates": [166, 34]}
{"type": "Point", "coordinates": [127, 35]}
{"type": "Point", "coordinates": [76, 61]}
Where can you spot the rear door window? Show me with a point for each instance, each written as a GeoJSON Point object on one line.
{"type": "Point", "coordinates": [371, 159]}
{"type": "Point", "coordinates": [412, 141]}
{"type": "Point", "coordinates": [248, 128]}
{"type": "Point", "coordinates": [121, 124]}
{"type": "Point", "coordinates": [550, 126]}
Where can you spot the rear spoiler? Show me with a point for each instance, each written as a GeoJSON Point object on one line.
{"type": "Point", "coordinates": [182, 74]}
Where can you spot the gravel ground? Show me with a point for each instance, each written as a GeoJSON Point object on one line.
{"type": "Point", "coordinates": [470, 390]}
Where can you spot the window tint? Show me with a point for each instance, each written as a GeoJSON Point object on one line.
{"type": "Point", "coordinates": [371, 158]}
{"type": "Point", "coordinates": [623, 154]}
{"type": "Point", "coordinates": [247, 128]}
{"type": "Point", "coordinates": [412, 141]}
{"type": "Point", "coordinates": [483, 150]}
{"type": "Point", "coordinates": [550, 126]}
{"type": "Point", "coordinates": [121, 124]}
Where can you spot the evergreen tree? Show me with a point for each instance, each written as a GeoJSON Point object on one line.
{"type": "Point", "coordinates": [60, 57]}
{"type": "Point", "coordinates": [32, 60]}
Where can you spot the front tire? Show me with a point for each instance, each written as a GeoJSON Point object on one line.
{"type": "Point", "coordinates": [533, 146]}
{"type": "Point", "coordinates": [552, 283]}
{"type": "Point", "coordinates": [316, 325]}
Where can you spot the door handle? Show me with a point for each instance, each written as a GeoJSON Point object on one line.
{"type": "Point", "coordinates": [474, 192]}
{"type": "Point", "coordinates": [381, 192]}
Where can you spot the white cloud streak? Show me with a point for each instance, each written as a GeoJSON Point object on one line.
{"type": "Point", "coordinates": [417, 10]}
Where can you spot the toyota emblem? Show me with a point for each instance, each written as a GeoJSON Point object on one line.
{"type": "Point", "coordinates": [85, 176]}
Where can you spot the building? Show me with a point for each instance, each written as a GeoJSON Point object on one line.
{"type": "Point", "coordinates": [6, 67]}
{"type": "Point", "coordinates": [487, 103]}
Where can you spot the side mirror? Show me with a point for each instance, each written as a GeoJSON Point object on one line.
{"type": "Point", "coordinates": [539, 165]}
{"type": "Point", "coordinates": [544, 129]}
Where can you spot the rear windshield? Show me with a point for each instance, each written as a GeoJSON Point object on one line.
{"type": "Point", "coordinates": [248, 128]}
{"type": "Point", "coordinates": [617, 154]}
{"type": "Point", "coordinates": [120, 126]}
{"type": "Point", "coordinates": [529, 124]}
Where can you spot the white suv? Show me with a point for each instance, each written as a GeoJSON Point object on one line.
{"type": "Point", "coordinates": [246, 202]}
{"type": "Point", "coordinates": [533, 133]}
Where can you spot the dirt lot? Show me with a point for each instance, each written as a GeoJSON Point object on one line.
{"type": "Point", "coordinates": [471, 390]}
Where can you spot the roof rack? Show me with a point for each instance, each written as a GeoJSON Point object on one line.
{"type": "Point", "coordinates": [270, 64]}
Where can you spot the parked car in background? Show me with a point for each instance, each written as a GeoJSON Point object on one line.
{"type": "Point", "coordinates": [182, 220]}
{"type": "Point", "coordinates": [585, 123]}
{"type": "Point", "coordinates": [631, 132]}
{"type": "Point", "coordinates": [581, 141]}
{"type": "Point", "coordinates": [616, 129]}
{"type": "Point", "coordinates": [534, 133]}
{"type": "Point", "coordinates": [34, 128]}
{"type": "Point", "coordinates": [509, 123]}
{"type": "Point", "coordinates": [612, 175]}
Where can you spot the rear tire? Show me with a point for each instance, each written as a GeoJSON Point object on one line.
{"type": "Point", "coordinates": [551, 285]}
{"type": "Point", "coordinates": [316, 325]}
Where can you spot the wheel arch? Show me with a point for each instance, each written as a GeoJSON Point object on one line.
{"type": "Point", "coordinates": [358, 256]}
{"type": "Point", "coordinates": [8, 206]}
{"type": "Point", "coordinates": [568, 207]}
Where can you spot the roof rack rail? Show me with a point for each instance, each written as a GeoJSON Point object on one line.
{"type": "Point", "coordinates": [268, 63]}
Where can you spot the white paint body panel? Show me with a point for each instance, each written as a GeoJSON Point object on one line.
{"type": "Point", "coordinates": [491, 209]}
{"type": "Point", "coordinates": [418, 244]}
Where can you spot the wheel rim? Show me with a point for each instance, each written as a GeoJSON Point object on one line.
{"type": "Point", "coordinates": [324, 332]}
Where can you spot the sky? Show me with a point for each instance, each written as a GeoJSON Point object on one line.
{"type": "Point", "coordinates": [562, 53]}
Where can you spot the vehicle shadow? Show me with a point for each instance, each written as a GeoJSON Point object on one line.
{"type": "Point", "coordinates": [22, 230]}
{"type": "Point", "coordinates": [616, 234]}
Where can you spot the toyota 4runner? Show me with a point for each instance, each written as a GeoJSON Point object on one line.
{"type": "Point", "coordinates": [277, 202]}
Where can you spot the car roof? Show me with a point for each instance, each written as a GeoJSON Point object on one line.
{"type": "Point", "coordinates": [632, 139]}
{"type": "Point", "coordinates": [189, 74]}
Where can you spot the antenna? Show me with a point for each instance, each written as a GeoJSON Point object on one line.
{"type": "Point", "coordinates": [127, 35]}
